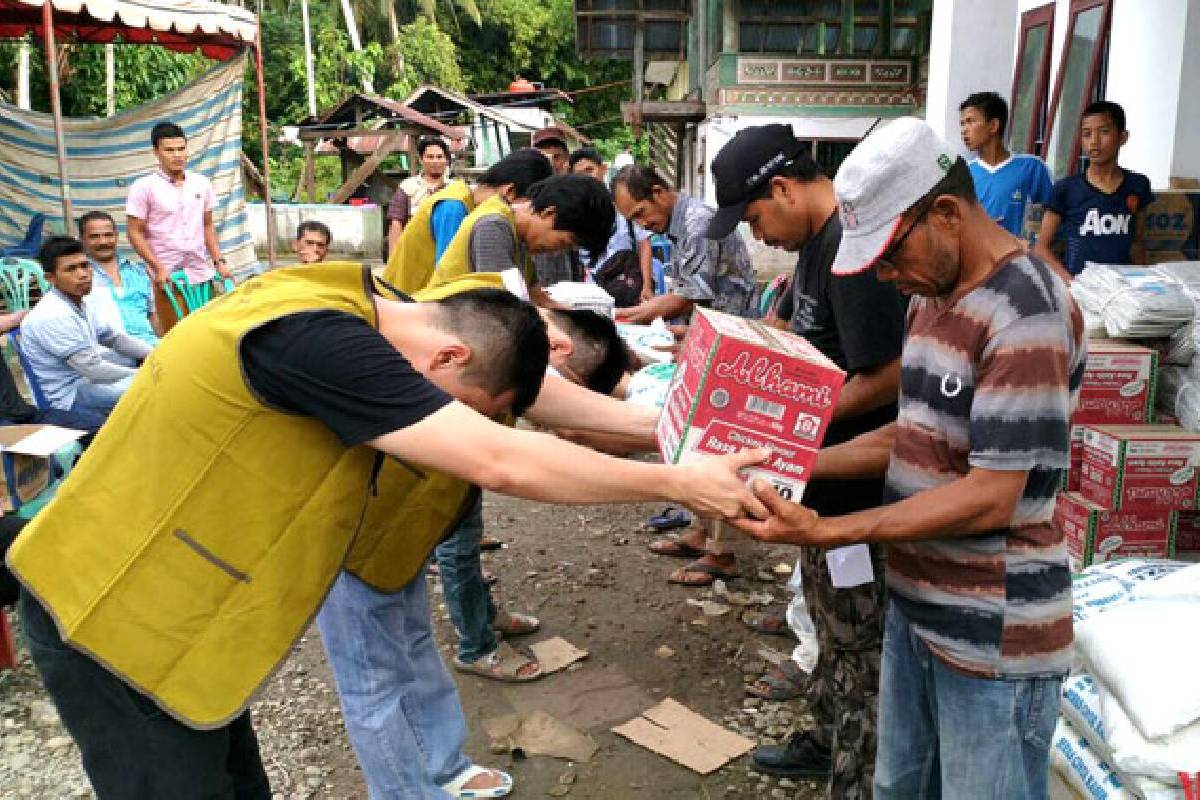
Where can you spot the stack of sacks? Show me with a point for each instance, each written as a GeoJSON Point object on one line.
{"type": "Point", "coordinates": [1138, 302]}
{"type": "Point", "coordinates": [1179, 395]}
{"type": "Point", "coordinates": [648, 386]}
{"type": "Point", "coordinates": [648, 342]}
{"type": "Point", "coordinates": [1181, 348]}
{"type": "Point", "coordinates": [583, 297]}
{"type": "Point", "coordinates": [1131, 723]}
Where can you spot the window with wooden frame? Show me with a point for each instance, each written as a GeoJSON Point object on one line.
{"type": "Point", "coordinates": [809, 27]}
{"type": "Point", "coordinates": [868, 24]}
{"type": "Point", "coordinates": [1031, 80]}
{"type": "Point", "coordinates": [1079, 73]}
{"type": "Point", "coordinates": [905, 36]}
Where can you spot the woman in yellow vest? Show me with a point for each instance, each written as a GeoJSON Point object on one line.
{"type": "Point", "coordinates": [432, 228]}
{"type": "Point", "coordinates": [198, 535]}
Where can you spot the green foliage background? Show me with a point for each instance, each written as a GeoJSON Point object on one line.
{"type": "Point", "coordinates": [462, 45]}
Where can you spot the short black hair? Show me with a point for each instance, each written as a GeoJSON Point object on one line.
{"type": "Point", "coordinates": [93, 216]}
{"type": "Point", "coordinates": [639, 180]}
{"type": "Point", "coordinates": [316, 226]}
{"type": "Point", "coordinates": [521, 168]}
{"type": "Point", "coordinates": [802, 168]}
{"type": "Point", "coordinates": [55, 248]}
{"type": "Point", "coordinates": [991, 105]}
{"type": "Point", "coordinates": [1114, 111]}
{"type": "Point", "coordinates": [582, 206]}
{"type": "Point", "coordinates": [508, 339]}
{"type": "Point", "coordinates": [956, 182]}
{"type": "Point", "coordinates": [426, 142]}
{"type": "Point", "coordinates": [586, 154]}
{"type": "Point", "coordinates": [165, 130]}
{"type": "Point", "coordinates": [599, 356]}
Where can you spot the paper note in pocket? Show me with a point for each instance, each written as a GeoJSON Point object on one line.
{"type": "Point", "coordinates": [850, 566]}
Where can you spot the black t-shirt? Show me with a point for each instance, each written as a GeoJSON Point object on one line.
{"type": "Point", "coordinates": [334, 366]}
{"type": "Point", "coordinates": [855, 320]}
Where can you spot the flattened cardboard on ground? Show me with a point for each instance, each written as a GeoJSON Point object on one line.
{"type": "Point", "coordinates": [675, 731]}
{"type": "Point", "coordinates": [539, 734]}
{"type": "Point", "coordinates": [556, 654]}
{"type": "Point", "coordinates": [591, 700]}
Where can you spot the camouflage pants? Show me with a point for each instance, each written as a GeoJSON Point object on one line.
{"type": "Point", "coordinates": [844, 688]}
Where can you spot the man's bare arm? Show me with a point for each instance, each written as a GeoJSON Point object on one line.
{"type": "Point", "coordinates": [869, 390]}
{"type": "Point", "coordinates": [666, 306]}
{"type": "Point", "coordinates": [562, 404]}
{"type": "Point", "coordinates": [214, 246]}
{"type": "Point", "coordinates": [862, 457]}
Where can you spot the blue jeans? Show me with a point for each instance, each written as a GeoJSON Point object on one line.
{"type": "Point", "coordinates": [946, 734]}
{"type": "Point", "coordinates": [401, 708]}
{"type": "Point", "coordinates": [99, 398]}
{"type": "Point", "coordinates": [467, 596]}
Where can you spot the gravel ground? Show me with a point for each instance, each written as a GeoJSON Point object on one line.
{"type": "Point", "coordinates": [586, 572]}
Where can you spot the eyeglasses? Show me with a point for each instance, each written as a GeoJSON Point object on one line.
{"type": "Point", "coordinates": [887, 256]}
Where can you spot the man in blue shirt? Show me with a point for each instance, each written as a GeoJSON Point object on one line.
{"type": "Point", "coordinates": [1102, 212]}
{"type": "Point", "coordinates": [127, 283]}
{"type": "Point", "coordinates": [81, 363]}
{"type": "Point", "coordinates": [1005, 183]}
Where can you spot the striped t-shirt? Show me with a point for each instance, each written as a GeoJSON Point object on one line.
{"type": "Point", "coordinates": [989, 378]}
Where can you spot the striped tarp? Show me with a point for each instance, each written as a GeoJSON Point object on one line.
{"type": "Point", "coordinates": [106, 155]}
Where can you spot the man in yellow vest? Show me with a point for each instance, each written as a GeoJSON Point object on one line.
{"type": "Point", "coordinates": [433, 227]}
{"type": "Point", "coordinates": [250, 459]}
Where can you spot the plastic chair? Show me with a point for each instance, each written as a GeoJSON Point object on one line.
{"type": "Point", "coordinates": [17, 276]}
{"type": "Point", "coordinates": [35, 388]}
{"type": "Point", "coordinates": [191, 296]}
{"type": "Point", "coordinates": [29, 246]}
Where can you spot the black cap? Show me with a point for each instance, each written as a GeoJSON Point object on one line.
{"type": "Point", "coordinates": [744, 165]}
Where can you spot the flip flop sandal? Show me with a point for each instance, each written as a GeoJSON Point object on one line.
{"type": "Point", "coordinates": [707, 572]}
{"type": "Point", "coordinates": [674, 545]}
{"type": "Point", "coordinates": [502, 664]}
{"type": "Point", "coordinates": [670, 519]}
{"type": "Point", "coordinates": [771, 622]}
{"type": "Point", "coordinates": [510, 623]}
{"type": "Point", "coordinates": [490, 543]}
{"type": "Point", "coordinates": [785, 682]}
{"type": "Point", "coordinates": [454, 787]}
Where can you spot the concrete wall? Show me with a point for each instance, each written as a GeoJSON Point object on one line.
{"type": "Point", "coordinates": [1186, 159]}
{"type": "Point", "coordinates": [972, 47]}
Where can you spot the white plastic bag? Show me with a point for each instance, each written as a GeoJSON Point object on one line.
{"type": "Point", "coordinates": [800, 621]}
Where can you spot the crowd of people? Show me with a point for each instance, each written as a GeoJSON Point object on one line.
{"type": "Point", "coordinates": [395, 395]}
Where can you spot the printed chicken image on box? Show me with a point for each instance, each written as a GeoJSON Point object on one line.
{"type": "Point", "coordinates": [1094, 534]}
{"type": "Point", "coordinates": [742, 384]}
{"type": "Point", "coordinates": [1118, 384]}
{"type": "Point", "coordinates": [1145, 467]}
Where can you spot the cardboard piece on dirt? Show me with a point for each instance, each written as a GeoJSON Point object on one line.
{"type": "Point", "coordinates": [675, 731]}
{"type": "Point", "coordinates": [556, 654]}
{"type": "Point", "coordinates": [539, 734]}
{"type": "Point", "coordinates": [590, 700]}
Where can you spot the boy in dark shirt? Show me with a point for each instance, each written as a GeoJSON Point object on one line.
{"type": "Point", "coordinates": [1102, 211]}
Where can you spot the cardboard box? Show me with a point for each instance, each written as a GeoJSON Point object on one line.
{"type": "Point", "coordinates": [742, 384]}
{"type": "Point", "coordinates": [1187, 534]}
{"type": "Point", "coordinates": [1071, 478]}
{"type": "Point", "coordinates": [1094, 534]}
{"type": "Point", "coordinates": [1118, 384]}
{"type": "Point", "coordinates": [25, 452]}
{"type": "Point", "coordinates": [1145, 467]}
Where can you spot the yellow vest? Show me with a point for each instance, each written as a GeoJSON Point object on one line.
{"type": "Point", "coordinates": [411, 263]}
{"type": "Point", "coordinates": [456, 261]}
{"type": "Point", "coordinates": [197, 537]}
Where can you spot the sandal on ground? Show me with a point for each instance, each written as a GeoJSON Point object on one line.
{"type": "Point", "coordinates": [510, 623]}
{"type": "Point", "coordinates": [785, 682]}
{"type": "Point", "coordinates": [670, 519]}
{"type": "Point", "coordinates": [489, 542]}
{"type": "Point", "coordinates": [502, 664]}
{"type": "Point", "coordinates": [772, 621]}
{"type": "Point", "coordinates": [674, 545]}
{"type": "Point", "coordinates": [455, 787]}
{"type": "Point", "coordinates": [701, 574]}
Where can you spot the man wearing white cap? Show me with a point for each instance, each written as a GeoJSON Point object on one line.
{"type": "Point", "coordinates": [978, 633]}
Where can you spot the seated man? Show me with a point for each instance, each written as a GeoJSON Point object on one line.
{"type": "Point", "coordinates": [81, 363]}
{"type": "Point", "coordinates": [312, 241]}
{"type": "Point", "coordinates": [124, 283]}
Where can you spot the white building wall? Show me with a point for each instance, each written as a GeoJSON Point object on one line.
{"type": "Point", "coordinates": [1186, 158]}
{"type": "Point", "coordinates": [972, 46]}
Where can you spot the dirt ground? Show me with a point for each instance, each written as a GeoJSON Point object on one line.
{"type": "Point", "coordinates": [587, 574]}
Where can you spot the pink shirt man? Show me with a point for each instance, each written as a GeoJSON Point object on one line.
{"type": "Point", "coordinates": [174, 217]}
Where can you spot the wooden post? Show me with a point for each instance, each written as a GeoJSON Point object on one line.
{"type": "Point", "coordinates": [60, 143]}
{"type": "Point", "coordinates": [266, 148]}
{"type": "Point", "coordinates": [639, 72]}
{"type": "Point", "coordinates": [385, 148]}
{"type": "Point", "coordinates": [309, 74]}
{"type": "Point", "coordinates": [110, 79]}
{"type": "Point", "coordinates": [310, 171]}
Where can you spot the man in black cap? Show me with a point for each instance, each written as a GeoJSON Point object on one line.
{"type": "Point", "coordinates": [766, 177]}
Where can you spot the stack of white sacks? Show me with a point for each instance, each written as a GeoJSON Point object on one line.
{"type": "Point", "coordinates": [1160, 303]}
{"type": "Point", "coordinates": [1130, 725]}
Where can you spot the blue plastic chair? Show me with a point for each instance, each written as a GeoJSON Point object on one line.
{"type": "Point", "coordinates": [29, 246]}
{"type": "Point", "coordinates": [187, 297]}
{"type": "Point", "coordinates": [17, 276]}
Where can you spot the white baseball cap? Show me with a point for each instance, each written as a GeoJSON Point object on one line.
{"type": "Point", "coordinates": [884, 176]}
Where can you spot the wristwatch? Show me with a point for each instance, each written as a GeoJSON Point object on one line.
{"type": "Point", "coordinates": [220, 260]}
